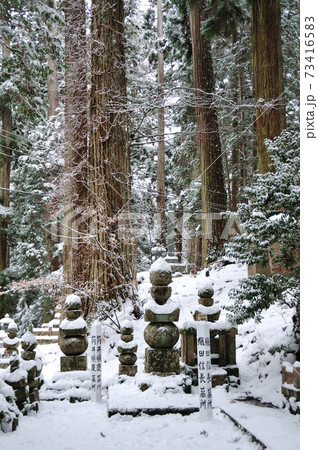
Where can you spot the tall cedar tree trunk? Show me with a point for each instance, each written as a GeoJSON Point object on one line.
{"type": "Point", "coordinates": [108, 159]}
{"type": "Point", "coordinates": [213, 194]}
{"type": "Point", "coordinates": [75, 263]}
{"type": "Point", "coordinates": [5, 164]}
{"type": "Point", "coordinates": [161, 137]}
{"type": "Point", "coordinates": [267, 75]}
{"type": "Point", "coordinates": [53, 101]}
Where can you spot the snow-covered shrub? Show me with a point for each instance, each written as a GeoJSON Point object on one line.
{"type": "Point", "coordinates": [8, 409]}
{"type": "Point", "coordinates": [270, 233]}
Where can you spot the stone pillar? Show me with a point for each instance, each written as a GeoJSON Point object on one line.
{"type": "Point", "coordinates": [17, 379]}
{"type": "Point", "coordinates": [11, 342]}
{"type": "Point", "coordinates": [231, 347]}
{"type": "Point", "coordinates": [32, 365]}
{"type": "Point", "coordinates": [161, 334]}
{"type": "Point", "coordinates": [189, 346]}
{"type": "Point", "coordinates": [72, 337]}
{"type": "Point", "coordinates": [222, 348]}
{"type": "Point", "coordinates": [127, 349]}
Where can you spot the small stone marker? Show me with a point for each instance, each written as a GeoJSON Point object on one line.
{"type": "Point", "coordinates": [96, 362]}
{"type": "Point", "coordinates": [204, 370]}
{"type": "Point", "coordinates": [127, 350]}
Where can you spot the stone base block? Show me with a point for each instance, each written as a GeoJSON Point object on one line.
{"type": "Point", "coordinates": [130, 371]}
{"type": "Point", "coordinates": [162, 361]}
{"type": "Point", "coordinates": [70, 363]}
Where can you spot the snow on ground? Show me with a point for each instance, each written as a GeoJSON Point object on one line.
{"type": "Point", "coordinates": [257, 404]}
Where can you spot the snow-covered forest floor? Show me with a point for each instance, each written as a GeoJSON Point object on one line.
{"type": "Point", "coordinates": [257, 403]}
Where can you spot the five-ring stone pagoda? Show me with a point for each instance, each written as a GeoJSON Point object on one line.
{"type": "Point", "coordinates": [161, 334]}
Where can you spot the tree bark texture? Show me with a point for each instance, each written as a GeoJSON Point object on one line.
{"type": "Point", "coordinates": [161, 134]}
{"type": "Point", "coordinates": [5, 165]}
{"type": "Point", "coordinates": [108, 159]}
{"type": "Point", "coordinates": [53, 101]}
{"type": "Point", "coordinates": [75, 263]}
{"type": "Point", "coordinates": [213, 194]}
{"type": "Point", "coordinates": [267, 75]}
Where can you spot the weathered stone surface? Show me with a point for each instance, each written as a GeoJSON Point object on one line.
{"type": "Point", "coordinates": [232, 371]}
{"type": "Point", "coordinates": [31, 375]}
{"type": "Point", "coordinates": [126, 331]}
{"type": "Point", "coordinates": [206, 301]}
{"type": "Point", "coordinates": [72, 332]}
{"type": "Point", "coordinates": [219, 379]}
{"type": "Point", "coordinates": [125, 350]}
{"type": "Point", "coordinates": [73, 301]}
{"type": "Point", "coordinates": [188, 348]}
{"type": "Point", "coordinates": [160, 277]}
{"type": "Point", "coordinates": [73, 346]}
{"type": "Point", "coordinates": [21, 394]}
{"type": "Point", "coordinates": [27, 346]}
{"type": "Point", "coordinates": [161, 335]}
{"type": "Point", "coordinates": [34, 396]}
{"type": "Point", "coordinates": [231, 349]}
{"type": "Point", "coordinates": [130, 371]}
{"type": "Point", "coordinates": [127, 358]}
{"type": "Point", "coordinates": [162, 361]}
{"type": "Point", "coordinates": [160, 294]}
{"type": "Point", "coordinates": [127, 337]}
{"type": "Point", "coordinates": [206, 291]}
{"type": "Point", "coordinates": [73, 314]}
{"type": "Point", "coordinates": [70, 363]}
{"type": "Point", "coordinates": [17, 384]}
{"type": "Point", "coordinates": [28, 355]}
{"type": "Point", "coordinates": [153, 317]}
{"type": "Point", "coordinates": [209, 317]}
{"type": "Point", "coordinates": [296, 377]}
{"type": "Point", "coordinates": [222, 349]}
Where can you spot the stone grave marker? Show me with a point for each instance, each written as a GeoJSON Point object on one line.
{"type": "Point", "coordinates": [96, 362]}
{"type": "Point", "coordinates": [204, 370]}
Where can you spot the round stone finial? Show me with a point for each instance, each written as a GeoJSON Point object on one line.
{"type": "Point", "coordinates": [206, 290]}
{"type": "Point", "coordinates": [28, 341]}
{"type": "Point", "coordinates": [73, 301]}
{"type": "Point", "coordinates": [160, 273]}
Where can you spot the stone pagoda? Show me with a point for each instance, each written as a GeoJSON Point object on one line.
{"type": "Point", "coordinates": [161, 334]}
{"type": "Point", "coordinates": [73, 336]}
{"type": "Point", "coordinates": [127, 349]}
{"type": "Point", "coordinates": [33, 365]}
{"type": "Point", "coordinates": [222, 338]}
{"type": "Point", "coordinates": [11, 342]}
